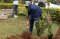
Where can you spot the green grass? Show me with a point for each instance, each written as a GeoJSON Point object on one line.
{"type": "Point", "coordinates": [15, 26]}
{"type": "Point", "coordinates": [54, 29]}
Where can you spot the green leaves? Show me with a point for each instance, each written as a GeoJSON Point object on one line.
{"type": "Point", "coordinates": [49, 0]}
{"type": "Point", "coordinates": [55, 16]}
{"type": "Point", "coordinates": [6, 5]}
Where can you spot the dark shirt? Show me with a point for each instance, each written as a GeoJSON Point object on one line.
{"type": "Point", "coordinates": [28, 0]}
{"type": "Point", "coordinates": [34, 11]}
{"type": "Point", "coordinates": [15, 0]}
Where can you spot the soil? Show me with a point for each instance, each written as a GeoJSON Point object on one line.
{"type": "Point", "coordinates": [25, 35]}
{"type": "Point", "coordinates": [58, 34]}
{"type": "Point", "coordinates": [29, 35]}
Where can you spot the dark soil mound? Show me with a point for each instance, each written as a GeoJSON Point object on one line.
{"type": "Point", "coordinates": [25, 35]}
{"type": "Point", "coordinates": [58, 34]}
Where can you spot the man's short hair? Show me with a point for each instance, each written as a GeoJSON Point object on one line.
{"type": "Point", "coordinates": [41, 4]}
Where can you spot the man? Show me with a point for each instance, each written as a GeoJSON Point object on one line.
{"type": "Point", "coordinates": [15, 8]}
{"type": "Point", "coordinates": [34, 14]}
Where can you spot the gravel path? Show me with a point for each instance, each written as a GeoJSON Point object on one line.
{"type": "Point", "coordinates": [6, 11]}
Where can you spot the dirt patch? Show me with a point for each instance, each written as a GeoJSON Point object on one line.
{"type": "Point", "coordinates": [58, 34]}
{"type": "Point", "coordinates": [25, 35]}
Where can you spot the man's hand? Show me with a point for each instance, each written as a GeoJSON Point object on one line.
{"type": "Point", "coordinates": [27, 24]}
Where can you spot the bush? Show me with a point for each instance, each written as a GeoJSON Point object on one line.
{"type": "Point", "coordinates": [55, 15]}
{"type": "Point", "coordinates": [6, 6]}
{"type": "Point", "coordinates": [22, 10]}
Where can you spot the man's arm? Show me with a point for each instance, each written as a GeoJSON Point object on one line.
{"type": "Point", "coordinates": [28, 14]}
{"type": "Point", "coordinates": [28, 18]}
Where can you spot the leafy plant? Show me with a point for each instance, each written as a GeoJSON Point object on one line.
{"type": "Point", "coordinates": [6, 5]}
{"type": "Point", "coordinates": [55, 16]}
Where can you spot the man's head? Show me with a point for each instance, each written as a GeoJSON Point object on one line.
{"type": "Point", "coordinates": [41, 4]}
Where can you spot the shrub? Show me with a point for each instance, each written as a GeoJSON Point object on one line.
{"type": "Point", "coordinates": [6, 6]}
{"type": "Point", "coordinates": [55, 15]}
{"type": "Point", "coordinates": [22, 10]}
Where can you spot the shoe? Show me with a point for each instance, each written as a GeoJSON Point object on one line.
{"type": "Point", "coordinates": [15, 16]}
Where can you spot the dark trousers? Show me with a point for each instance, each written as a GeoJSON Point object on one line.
{"type": "Point", "coordinates": [31, 25]}
{"type": "Point", "coordinates": [15, 10]}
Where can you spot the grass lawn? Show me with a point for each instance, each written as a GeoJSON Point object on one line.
{"type": "Point", "coordinates": [12, 26]}
{"type": "Point", "coordinates": [15, 26]}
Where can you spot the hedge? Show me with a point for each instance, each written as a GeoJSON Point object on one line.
{"type": "Point", "coordinates": [42, 23]}
{"type": "Point", "coordinates": [6, 5]}
{"type": "Point", "coordinates": [54, 12]}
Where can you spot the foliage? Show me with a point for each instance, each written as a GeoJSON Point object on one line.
{"type": "Point", "coordinates": [55, 15]}
{"type": "Point", "coordinates": [22, 10]}
{"type": "Point", "coordinates": [49, 0]}
{"type": "Point", "coordinates": [6, 5]}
